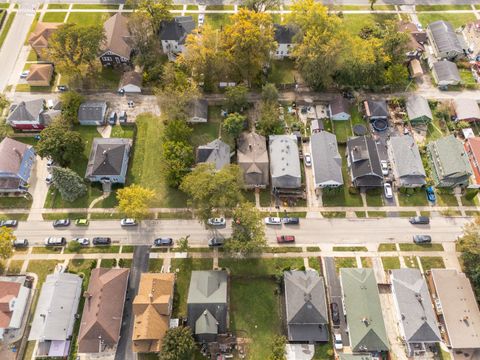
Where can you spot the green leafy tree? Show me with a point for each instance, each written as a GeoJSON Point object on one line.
{"type": "Point", "coordinates": [60, 144]}
{"type": "Point", "coordinates": [269, 93]}
{"type": "Point", "coordinates": [213, 193]}
{"type": "Point", "coordinates": [68, 183]}
{"type": "Point", "coordinates": [4, 103]}
{"type": "Point", "coordinates": [248, 231]}
{"type": "Point", "coordinates": [71, 101]}
{"type": "Point", "coordinates": [236, 98]}
{"type": "Point", "coordinates": [397, 76]}
{"type": "Point", "coordinates": [177, 130]}
{"type": "Point", "coordinates": [6, 239]}
{"type": "Point", "coordinates": [234, 124]}
{"type": "Point", "coordinates": [261, 5]}
{"type": "Point", "coordinates": [182, 244]}
{"type": "Point", "coordinates": [178, 344]}
{"type": "Point", "coordinates": [179, 159]}
{"type": "Point", "coordinates": [156, 10]}
{"type": "Point", "coordinates": [278, 348]}
{"type": "Point", "coordinates": [134, 201]}
{"type": "Point", "coordinates": [73, 246]}
{"type": "Point", "coordinates": [469, 246]}
{"type": "Point", "coordinates": [270, 122]}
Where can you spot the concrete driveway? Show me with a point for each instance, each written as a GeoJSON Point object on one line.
{"type": "Point", "coordinates": [38, 188]}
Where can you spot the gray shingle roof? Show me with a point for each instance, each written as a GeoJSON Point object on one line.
{"type": "Point", "coordinates": [198, 108]}
{"type": "Point", "coordinates": [417, 107]}
{"type": "Point", "coordinates": [252, 157]}
{"type": "Point", "coordinates": [177, 29]}
{"type": "Point", "coordinates": [206, 324]}
{"type": "Point", "coordinates": [446, 71]}
{"type": "Point", "coordinates": [284, 161]}
{"type": "Point", "coordinates": [364, 161]}
{"type": "Point", "coordinates": [467, 109]}
{"type": "Point", "coordinates": [326, 160]}
{"type": "Point", "coordinates": [27, 111]}
{"type": "Point", "coordinates": [284, 34]}
{"type": "Point", "coordinates": [413, 301]}
{"type": "Point", "coordinates": [339, 105]}
{"type": "Point", "coordinates": [216, 152]}
{"type": "Point", "coordinates": [406, 160]}
{"type": "Point", "coordinates": [376, 108]}
{"type": "Point", "coordinates": [11, 155]}
{"type": "Point", "coordinates": [107, 156]}
{"type": "Point", "coordinates": [444, 36]}
{"type": "Point", "coordinates": [117, 36]}
{"type": "Point", "coordinates": [92, 110]}
{"type": "Point", "coordinates": [208, 287]}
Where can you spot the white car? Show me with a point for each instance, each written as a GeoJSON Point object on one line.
{"type": "Point", "coordinates": [384, 165]}
{"type": "Point", "coordinates": [387, 188]}
{"type": "Point", "coordinates": [128, 222]}
{"type": "Point", "coordinates": [273, 220]}
{"type": "Point", "coordinates": [217, 221]}
{"type": "Point", "coordinates": [307, 159]}
{"type": "Point", "coordinates": [338, 342]}
{"type": "Point", "coordinates": [82, 241]}
{"type": "Point", "coordinates": [201, 19]}
{"type": "Point", "coordinates": [24, 74]}
{"type": "Point", "coordinates": [49, 179]}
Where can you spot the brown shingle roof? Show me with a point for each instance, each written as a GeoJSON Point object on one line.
{"type": "Point", "coordinates": [8, 291]}
{"type": "Point", "coordinates": [40, 72]}
{"type": "Point", "coordinates": [103, 310]}
{"type": "Point", "coordinates": [39, 37]}
{"type": "Point", "coordinates": [117, 34]}
{"type": "Point", "coordinates": [11, 155]}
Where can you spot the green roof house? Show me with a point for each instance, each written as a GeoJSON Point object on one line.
{"type": "Point", "coordinates": [449, 162]}
{"type": "Point", "coordinates": [363, 311]}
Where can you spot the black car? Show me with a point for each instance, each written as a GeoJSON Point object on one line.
{"type": "Point", "coordinates": [61, 223]}
{"type": "Point", "coordinates": [9, 223]}
{"type": "Point", "coordinates": [163, 241]}
{"type": "Point", "coordinates": [335, 313]}
{"type": "Point", "coordinates": [216, 241]}
{"type": "Point", "coordinates": [20, 243]}
{"type": "Point", "coordinates": [419, 220]}
{"type": "Point", "coordinates": [101, 241]}
{"type": "Point", "coordinates": [422, 239]}
{"type": "Point", "coordinates": [291, 220]}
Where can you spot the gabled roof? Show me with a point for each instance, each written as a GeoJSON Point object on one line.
{"type": "Point", "coordinates": [206, 324]}
{"type": "Point", "coordinates": [43, 30]}
{"type": "Point", "coordinates": [92, 111]}
{"type": "Point", "coordinates": [216, 152]}
{"type": "Point", "coordinates": [27, 111]}
{"type": "Point", "coordinates": [444, 36]}
{"type": "Point", "coordinates": [40, 72]}
{"type": "Point", "coordinates": [103, 310]}
{"type": "Point", "coordinates": [131, 78]}
{"type": "Point", "coordinates": [446, 71]}
{"type": "Point", "coordinates": [326, 160]}
{"type": "Point", "coordinates": [252, 156]}
{"type": "Point", "coordinates": [283, 34]}
{"type": "Point", "coordinates": [364, 313]}
{"type": "Point", "coordinates": [364, 161]}
{"type": "Point", "coordinates": [117, 36]}
{"type": "Point", "coordinates": [472, 146]}
{"type": "Point", "coordinates": [449, 157]}
{"type": "Point", "coordinates": [208, 287]}
{"type": "Point", "coordinates": [414, 306]}
{"type": "Point", "coordinates": [177, 29]}
{"type": "Point", "coordinates": [107, 156]}
{"type": "Point", "coordinates": [339, 105]}
{"type": "Point", "coordinates": [376, 108]}
{"type": "Point", "coordinates": [11, 155]}
{"type": "Point", "coordinates": [406, 158]}
{"type": "Point", "coordinates": [284, 158]}
{"type": "Point", "coordinates": [198, 108]}
{"type": "Point", "coordinates": [417, 107]}
{"type": "Point", "coordinates": [466, 109]}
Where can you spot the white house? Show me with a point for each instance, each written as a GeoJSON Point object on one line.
{"type": "Point", "coordinates": [173, 34]}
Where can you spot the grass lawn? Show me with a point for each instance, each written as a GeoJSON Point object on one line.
{"type": "Point", "coordinates": [155, 265]}
{"type": "Point", "coordinates": [282, 72]}
{"type": "Point", "coordinates": [58, 216]}
{"type": "Point", "coordinates": [147, 165]}
{"type": "Point", "coordinates": [411, 262]}
{"type": "Point", "coordinates": [390, 262]}
{"type": "Point", "coordinates": [217, 21]}
{"type": "Point", "coordinates": [15, 267]}
{"type": "Point", "coordinates": [113, 249]}
{"type": "Point", "coordinates": [366, 262]}
{"type": "Point", "coordinates": [260, 267]}
{"type": "Point", "coordinates": [32, 56]}
{"type": "Point", "coordinates": [283, 249]}
{"type": "Point", "coordinates": [360, 214]}
{"type": "Point", "coordinates": [374, 197]}
{"type": "Point", "coordinates": [108, 263]}
{"type": "Point", "coordinates": [127, 249]}
{"type": "Point", "coordinates": [456, 19]}
{"type": "Point", "coordinates": [350, 248]}
{"type": "Point", "coordinates": [472, 213]}
{"type": "Point", "coordinates": [265, 197]}
{"type": "Point", "coordinates": [54, 199]}
{"type": "Point", "coordinates": [357, 118]}
{"type": "Point", "coordinates": [6, 27]}
{"type": "Point", "coordinates": [446, 199]}
{"type": "Point", "coordinates": [377, 214]}
{"type": "Point", "coordinates": [82, 266]}
{"type": "Point", "coordinates": [47, 250]}
{"type": "Point", "coordinates": [432, 262]}
{"type": "Point", "coordinates": [467, 78]}
{"type": "Point", "coordinates": [441, 7]}
{"type": "Point", "coordinates": [407, 213]}
{"type": "Point", "coordinates": [185, 267]}
{"type": "Point", "coordinates": [473, 202]}
{"type": "Point", "coordinates": [220, 7]}
{"type": "Point", "coordinates": [19, 217]}
{"type": "Point", "coordinates": [345, 262]}
{"type": "Point", "coordinates": [314, 263]}
{"type": "Point", "coordinates": [323, 352]}
{"type": "Point", "coordinates": [355, 22]}
{"type": "Point", "coordinates": [88, 18]}
{"type": "Point", "coordinates": [54, 16]}
{"type": "Point", "coordinates": [387, 247]}
{"type": "Point", "coordinates": [42, 268]}
{"type": "Point", "coordinates": [418, 198]}
{"type": "Point", "coordinates": [343, 130]}
{"type": "Point", "coordinates": [95, 6]}
{"type": "Point", "coordinates": [15, 203]}
{"type": "Point", "coordinates": [58, 6]}
{"type": "Point", "coordinates": [313, 248]}
{"type": "Point", "coordinates": [333, 214]}
{"type": "Point", "coordinates": [420, 247]}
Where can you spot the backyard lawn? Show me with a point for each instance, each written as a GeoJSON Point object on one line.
{"type": "Point", "coordinates": [456, 19]}
{"type": "Point", "coordinates": [343, 130]}
{"type": "Point", "coordinates": [282, 72]}
{"type": "Point", "coordinates": [418, 198]}
{"type": "Point", "coordinates": [217, 21]}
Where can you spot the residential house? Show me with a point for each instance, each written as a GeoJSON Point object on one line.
{"type": "Point", "coordinates": [363, 162]}
{"type": "Point", "coordinates": [306, 306]}
{"type": "Point", "coordinates": [417, 38]}
{"type": "Point", "coordinates": [152, 308]}
{"type": "Point", "coordinates": [361, 300]}
{"type": "Point", "coordinates": [339, 109]}
{"type": "Point", "coordinates": [284, 162]}
{"type": "Point", "coordinates": [376, 109]}
{"type": "Point", "coordinates": [414, 310]}
{"type": "Point", "coordinates": [40, 75]}
{"type": "Point", "coordinates": [418, 110]}
{"type": "Point", "coordinates": [32, 115]}
{"type": "Point", "coordinates": [471, 34]}
{"type": "Point", "coordinates": [207, 304]}
{"type": "Point", "coordinates": [16, 162]}
{"type": "Point", "coordinates": [55, 315]}
{"type": "Point", "coordinates": [116, 49]}
{"type": "Point", "coordinates": [103, 310]}
{"type": "Point", "coordinates": [131, 83]}
{"type": "Point", "coordinates": [466, 110]}
{"type": "Point", "coordinates": [445, 73]}
{"type": "Point", "coordinates": [216, 152]}
{"type": "Point", "coordinates": [173, 34]}
{"type": "Point", "coordinates": [39, 37]}
{"type": "Point", "coordinates": [326, 160]}
{"type": "Point", "coordinates": [92, 113]}
{"type": "Point", "coordinates": [472, 148]}
{"type": "Point", "coordinates": [457, 311]}
{"type": "Point", "coordinates": [449, 162]}
{"type": "Point", "coordinates": [252, 157]}
{"type": "Point", "coordinates": [198, 111]}
{"type": "Point", "coordinates": [284, 35]}
{"type": "Point", "coordinates": [406, 162]}
{"type": "Point", "coordinates": [445, 42]}
{"type": "Point", "coordinates": [108, 161]}
{"type": "Point", "coordinates": [14, 296]}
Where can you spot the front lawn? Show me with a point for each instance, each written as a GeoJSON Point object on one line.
{"type": "Point", "coordinates": [57, 17]}
{"type": "Point", "coordinates": [355, 22]}
{"type": "Point", "coordinates": [155, 265]}
{"type": "Point", "coordinates": [420, 247]}
{"type": "Point", "coordinates": [411, 262]}
{"type": "Point", "coordinates": [260, 267]}
{"type": "Point", "coordinates": [374, 197]}
{"type": "Point", "coordinates": [15, 203]}
{"type": "Point", "coordinates": [314, 263]}
{"type": "Point", "coordinates": [42, 268]}
{"type": "Point", "coordinates": [15, 267]}
{"type": "Point", "coordinates": [54, 199]}
{"type": "Point", "coordinates": [112, 249]}
{"type": "Point", "coordinates": [82, 267]}
{"type": "Point", "coordinates": [349, 248]}
{"type": "Point", "coordinates": [387, 247]}
{"type": "Point", "coordinates": [442, 7]}
{"type": "Point", "coordinates": [418, 198]}
{"type": "Point", "coordinates": [88, 18]}
{"type": "Point", "coordinates": [446, 199]}
{"type": "Point", "coordinates": [456, 19]}
{"type": "Point", "coordinates": [345, 262]}
{"type": "Point", "coordinates": [95, 6]}
{"type": "Point", "coordinates": [390, 263]}
{"type": "Point", "coordinates": [432, 262]}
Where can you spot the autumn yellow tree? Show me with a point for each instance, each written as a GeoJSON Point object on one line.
{"type": "Point", "coordinates": [249, 42]}
{"type": "Point", "coordinates": [134, 201]}
{"type": "Point", "coordinates": [6, 239]}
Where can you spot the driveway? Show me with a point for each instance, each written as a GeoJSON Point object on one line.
{"type": "Point", "coordinates": [142, 103]}
{"type": "Point", "coordinates": [139, 265]}
{"type": "Point", "coordinates": [38, 188]}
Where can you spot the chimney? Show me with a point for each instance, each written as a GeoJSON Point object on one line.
{"type": "Point", "coordinates": [150, 296]}
{"type": "Point", "coordinates": [250, 147]}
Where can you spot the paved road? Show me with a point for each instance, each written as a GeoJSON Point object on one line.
{"type": "Point", "coordinates": [309, 232]}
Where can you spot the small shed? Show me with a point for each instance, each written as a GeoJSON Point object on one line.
{"type": "Point", "coordinates": [339, 109]}
{"type": "Point", "coordinates": [418, 110]}
{"type": "Point", "coordinates": [415, 68]}
{"type": "Point", "coordinates": [131, 82]}
{"type": "Point", "coordinates": [198, 111]}
{"type": "Point", "coordinates": [92, 113]}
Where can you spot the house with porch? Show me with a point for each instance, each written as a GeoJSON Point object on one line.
{"type": "Point", "coordinates": [116, 49]}
{"type": "Point", "coordinates": [326, 160]}
{"type": "Point", "coordinates": [364, 163]}
{"type": "Point", "coordinates": [252, 157]}
{"type": "Point", "coordinates": [16, 162]}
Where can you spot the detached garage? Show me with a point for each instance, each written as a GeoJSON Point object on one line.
{"type": "Point", "coordinates": [131, 82]}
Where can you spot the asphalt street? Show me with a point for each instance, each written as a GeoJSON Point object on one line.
{"type": "Point", "coordinates": [309, 232]}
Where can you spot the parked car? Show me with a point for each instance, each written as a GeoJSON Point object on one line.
{"type": "Point", "coordinates": [62, 88]}
{"type": "Point", "coordinates": [335, 313]}
{"type": "Point", "coordinates": [338, 341]}
{"type": "Point", "coordinates": [100, 240]}
{"type": "Point", "coordinates": [24, 74]}
{"type": "Point", "coordinates": [419, 220]}
{"type": "Point", "coordinates": [61, 223]}
{"type": "Point", "coordinates": [50, 163]}
{"type": "Point", "coordinates": [201, 19]}
{"type": "Point", "coordinates": [431, 194]}
{"type": "Point", "coordinates": [291, 220]}
{"type": "Point", "coordinates": [9, 223]}
{"type": "Point", "coordinates": [82, 241]}
{"type": "Point", "coordinates": [55, 241]}
{"type": "Point", "coordinates": [307, 159]}
{"type": "Point", "coordinates": [82, 222]}
{"type": "Point", "coordinates": [163, 241]}
{"type": "Point", "coordinates": [273, 220]}
{"type": "Point", "coordinates": [422, 239]}
{"type": "Point", "coordinates": [128, 222]}
{"type": "Point", "coordinates": [285, 239]}
{"type": "Point", "coordinates": [49, 179]}
{"type": "Point", "coordinates": [217, 221]}
{"type": "Point", "coordinates": [387, 188]}
{"type": "Point", "coordinates": [384, 165]}
{"type": "Point", "coordinates": [20, 243]}
{"type": "Point", "coordinates": [215, 241]}
{"type": "Point", "coordinates": [112, 118]}
{"type": "Point", "coordinates": [122, 117]}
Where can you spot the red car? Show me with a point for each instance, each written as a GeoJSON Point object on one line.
{"type": "Point", "coordinates": [285, 239]}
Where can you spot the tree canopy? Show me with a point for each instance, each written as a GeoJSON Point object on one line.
{"type": "Point", "coordinates": [6, 240]}
{"type": "Point", "coordinates": [156, 11]}
{"type": "Point", "coordinates": [469, 246]}
{"type": "Point", "coordinates": [134, 201]}
{"type": "Point", "coordinates": [178, 344]}
{"type": "Point", "coordinates": [234, 124]}
{"type": "Point", "coordinates": [68, 183]}
{"type": "Point", "coordinates": [248, 230]}
{"type": "Point", "coordinates": [236, 98]}
{"type": "Point", "coordinates": [261, 5]}
{"type": "Point", "coordinates": [71, 101]}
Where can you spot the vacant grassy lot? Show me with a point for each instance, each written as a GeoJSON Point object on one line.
{"type": "Point", "coordinates": [58, 17]}
{"type": "Point", "coordinates": [418, 198]}
{"type": "Point", "coordinates": [432, 262]}
{"type": "Point", "coordinates": [456, 19]}
{"type": "Point", "coordinates": [420, 247]}
{"type": "Point", "coordinates": [355, 22]}
{"type": "Point", "coordinates": [88, 18]}
{"type": "Point", "coordinates": [42, 268]}
{"type": "Point", "coordinates": [390, 262]}
{"type": "Point", "coordinates": [345, 262]}
{"type": "Point", "coordinates": [282, 72]}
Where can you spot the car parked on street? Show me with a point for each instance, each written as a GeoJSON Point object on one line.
{"type": "Point", "coordinates": [82, 222]}
{"type": "Point", "coordinates": [49, 179]}
{"type": "Point", "coordinates": [307, 159]}
{"type": "Point", "coordinates": [335, 313]}
{"type": "Point", "coordinates": [20, 243]}
{"type": "Point", "coordinates": [9, 223]}
{"type": "Point", "coordinates": [338, 341]}
{"type": "Point", "coordinates": [431, 194]}
{"type": "Point", "coordinates": [101, 240]}
{"type": "Point", "coordinates": [163, 241]}
{"type": "Point", "coordinates": [273, 221]}
{"type": "Point", "coordinates": [285, 239]}
{"type": "Point", "coordinates": [216, 241]}
{"type": "Point", "coordinates": [82, 241]}
{"type": "Point", "coordinates": [291, 220]}
{"type": "Point", "coordinates": [61, 223]}
{"type": "Point", "coordinates": [217, 221]}
{"type": "Point", "coordinates": [419, 220]}
{"type": "Point", "coordinates": [387, 189]}
{"type": "Point", "coordinates": [422, 239]}
{"type": "Point", "coordinates": [128, 222]}
{"type": "Point", "coordinates": [24, 74]}
{"type": "Point", "coordinates": [55, 241]}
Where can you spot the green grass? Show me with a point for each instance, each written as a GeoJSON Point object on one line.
{"type": "Point", "coordinates": [58, 6]}
{"type": "Point", "coordinates": [88, 18]}
{"type": "Point", "coordinates": [425, 213]}
{"type": "Point", "coordinates": [6, 27]}
{"type": "Point", "coordinates": [47, 250]}
{"type": "Point", "coordinates": [374, 197]}
{"type": "Point", "coordinates": [407, 213]}
{"type": "Point", "coordinates": [377, 214]}
{"type": "Point", "coordinates": [355, 22]}
{"type": "Point", "coordinates": [313, 248]}
{"type": "Point", "coordinates": [283, 249]}
{"type": "Point", "coordinates": [366, 262]}
{"type": "Point", "coordinates": [113, 249]}
{"type": "Point", "coordinates": [360, 214]}
{"type": "Point", "coordinates": [19, 217]}
{"type": "Point", "coordinates": [420, 247]}
{"type": "Point", "coordinates": [187, 215]}
{"type": "Point", "coordinates": [343, 130]}
{"type": "Point", "coordinates": [192, 7]}
{"type": "Point", "coordinates": [265, 197]}
{"type": "Point", "coordinates": [345, 262]}
{"type": "Point", "coordinates": [387, 247]}
{"type": "Point", "coordinates": [155, 265]}
{"type": "Point", "coordinates": [411, 262]}
{"type": "Point", "coordinates": [418, 198]}
{"type": "Point", "coordinates": [282, 72]}
{"type": "Point", "coordinates": [42, 268]}
{"type": "Point", "coordinates": [15, 267]}
{"type": "Point", "coordinates": [456, 19]}
{"type": "Point", "coordinates": [119, 131]}
{"type": "Point", "coordinates": [54, 199]}
{"type": "Point", "coordinates": [58, 216]}
{"type": "Point", "coordinates": [472, 213]}
{"type": "Point", "coordinates": [472, 202]}
{"type": "Point", "coordinates": [82, 266]}
{"type": "Point", "coordinates": [333, 214]}
{"type": "Point", "coordinates": [125, 263]}
{"type": "Point", "coordinates": [350, 248]}
{"type": "Point", "coordinates": [467, 78]}
{"type": "Point", "coordinates": [147, 165]}
{"type": "Point", "coordinates": [432, 262]}
{"type": "Point", "coordinates": [95, 6]}
{"type": "Point", "coordinates": [441, 7]}
{"type": "Point", "coordinates": [390, 262]}
{"type": "Point", "coordinates": [314, 263]}
{"type": "Point", "coordinates": [108, 263]}
{"type": "Point", "coordinates": [324, 352]}
{"type": "Point", "coordinates": [4, 5]}
{"type": "Point", "coordinates": [260, 267]}
{"type": "Point", "coordinates": [32, 56]}
{"type": "Point", "coordinates": [446, 199]}
{"type": "Point", "coordinates": [54, 17]}
{"type": "Point", "coordinates": [126, 249]}
{"type": "Point", "coordinates": [220, 7]}
{"type": "Point", "coordinates": [185, 268]}
{"type": "Point", "coordinates": [217, 21]}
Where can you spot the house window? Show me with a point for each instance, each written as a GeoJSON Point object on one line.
{"type": "Point", "coordinates": [107, 58]}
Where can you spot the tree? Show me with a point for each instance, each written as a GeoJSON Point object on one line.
{"type": "Point", "coordinates": [74, 48]}
{"type": "Point", "coordinates": [261, 5]}
{"type": "Point", "coordinates": [469, 246]}
{"type": "Point", "coordinates": [248, 231]}
{"type": "Point", "coordinates": [234, 124]}
{"type": "Point", "coordinates": [73, 246]}
{"type": "Point", "coordinates": [269, 93]}
{"type": "Point", "coordinates": [249, 42]}
{"type": "Point", "coordinates": [70, 101]}
{"type": "Point", "coordinates": [213, 193]}
{"type": "Point", "coordinates": [236, 98]}
{"type": "Point", "coordinates": [397, 76]}
{"type": "Point", "coordinates": [178, 344]}
{"type": "Point", "coordinates": [270, 122]}
{"type": "Point", "coordinates": [134, 200]}
{"type": "Point", "coordinates": [6, 240]}
{"type": "Point", "coordinates": [179, 159]}
{"type": "Point", "coordinates": [157, 11]}
{"type": "Point", "coordinates": [182, 244]}
{"type": "Point", "coordinates": [60, 144]}
{"type": "Point", "coordinates": [68, 183]}
{"type": "Point", "coordinates": [177, 130]}
{"type": "Point", "coordinates": [278, 348]}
